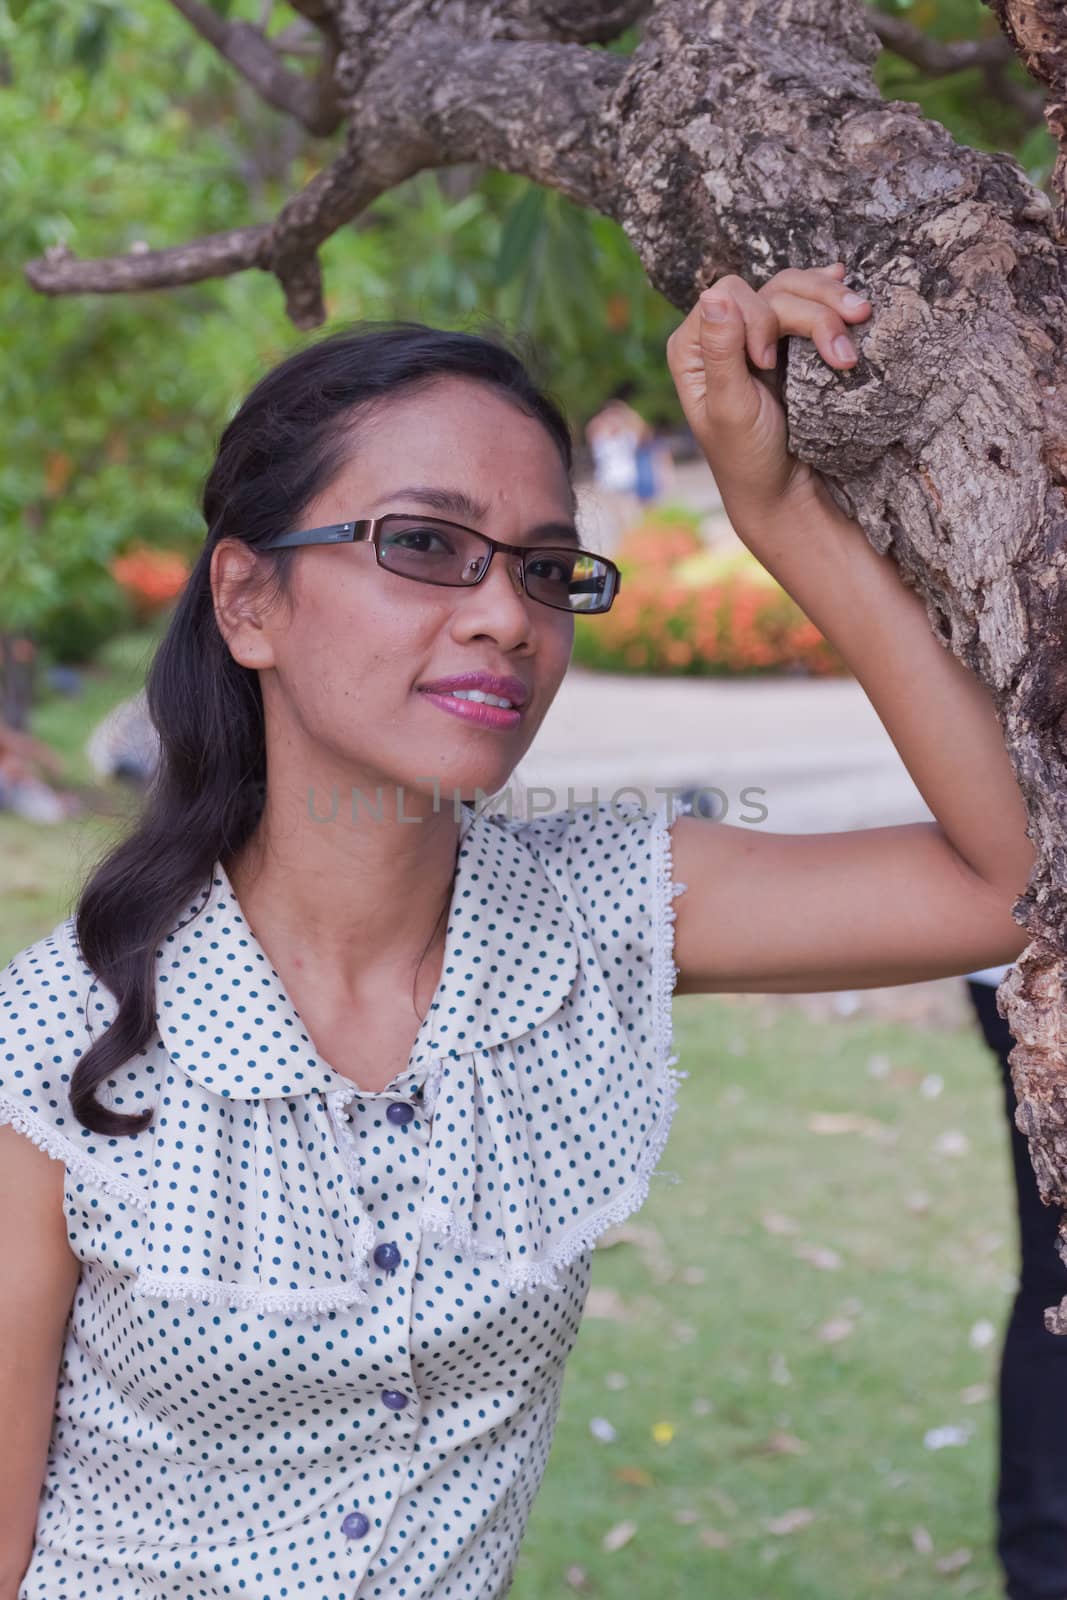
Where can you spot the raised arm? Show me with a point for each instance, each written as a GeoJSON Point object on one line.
{"type": "Point", "coordinates": [773, 912]}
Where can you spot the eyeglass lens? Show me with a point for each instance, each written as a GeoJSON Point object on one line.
{"type": "Point", "coordinates": [441, 553]}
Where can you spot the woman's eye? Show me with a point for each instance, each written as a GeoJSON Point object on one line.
{"type": "Point", "coordinates": [419, 539]}
{"type": "Point", "coordinates": [553, 571]}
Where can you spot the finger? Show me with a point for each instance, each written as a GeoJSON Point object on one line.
{"type": "Point", "coordinates": [818, 286]}
{"type": "Point", "coordinates": [762, 332]}
{"type": "Point", "coordinates": [813, 319]}
{"type": "Point", "coordinates": [729, 394]}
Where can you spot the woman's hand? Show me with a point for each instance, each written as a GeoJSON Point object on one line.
{"type": "Point", "coordinates": [735, 411]}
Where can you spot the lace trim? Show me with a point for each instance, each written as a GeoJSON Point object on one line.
{"type": "Point", "coordinates": [60, 1148]}
{"type": "Point", "coordinates": [545, 1271]}
{"type": "Point", "coordinates": [286, 1302]}
{"type": "Point", "coordinates": [432, 1086]}
{"type": "Point", "coordinates": [249, 1297]}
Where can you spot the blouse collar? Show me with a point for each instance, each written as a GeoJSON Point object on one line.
{"type": "Point", "coordinates": [511, 957]}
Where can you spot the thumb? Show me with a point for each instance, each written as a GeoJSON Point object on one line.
{"type": "Point", "coordinates": [730, 393]}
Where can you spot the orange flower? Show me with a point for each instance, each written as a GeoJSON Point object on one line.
{"type": "Point", "coordinates": [152, 578]}
{"type": "Point", "coordinates": [679, 652]}
{"type": "Point", "coordinates": [732, 624]}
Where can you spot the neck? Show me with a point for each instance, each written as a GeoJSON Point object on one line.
{"type": "Point", "coordinates": [353, 898]}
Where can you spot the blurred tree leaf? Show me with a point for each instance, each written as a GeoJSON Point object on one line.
{"type": "Point", "coordinates": [522, 223]}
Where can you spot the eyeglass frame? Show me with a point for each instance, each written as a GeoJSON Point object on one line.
{"type": "Point", "coordinates": [367, 529]}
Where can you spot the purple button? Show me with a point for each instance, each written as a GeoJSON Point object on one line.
{"type": "Point", "coordinates": [394, 1399]}
{"type": "Point", "coordinates": [387, 1256]}
{"type": "Point", "coordinates": [400, 1113]}
{"type": "Point", "coordinates": [355, 1525]}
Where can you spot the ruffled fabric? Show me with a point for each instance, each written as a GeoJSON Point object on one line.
{"type": "Point", "coordinates": [277, 1227]}
{"type": "Point", "coordinates": [545, 1063]}
{"type": "Point", "coordinates": [82, 1168]}
{"type": "Point", "coordinates": [530, 1203]}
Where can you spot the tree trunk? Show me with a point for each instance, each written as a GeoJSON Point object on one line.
{"type": "Point", "coordinates": [745, 136]}
{"type": "Point", "coordinates": [16, 680]}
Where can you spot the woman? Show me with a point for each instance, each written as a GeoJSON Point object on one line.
{"type": "Point", "coordinates": [341, 1081]}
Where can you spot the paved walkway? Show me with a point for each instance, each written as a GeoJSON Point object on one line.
{"type": "Point", "coordinates": [814, 747]}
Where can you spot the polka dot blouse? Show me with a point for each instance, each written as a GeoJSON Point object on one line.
{"type": "Point", "coordinates": [319, 1333]}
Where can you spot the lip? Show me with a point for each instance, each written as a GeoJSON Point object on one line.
{"type": "Point", "coordinates": [482, 716]}
{"type": "Point", "coordinates": [512, 689]}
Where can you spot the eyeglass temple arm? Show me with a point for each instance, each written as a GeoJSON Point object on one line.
{"type": "Point", "coordinates": [333, 533]}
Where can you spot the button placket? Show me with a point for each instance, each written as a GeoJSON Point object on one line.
{"type": "Point", "coordinates": [396, 1115]}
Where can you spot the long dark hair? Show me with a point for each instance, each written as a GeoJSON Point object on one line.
{"type": "Point", "coordinates": [283, 447]}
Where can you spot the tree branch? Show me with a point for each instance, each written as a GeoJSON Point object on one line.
{"type": "Point", "coordinates": [217, 255]}
{"type": "Point", "coordinates": [1029, 103]}
{"type": "Point", "coordinates": [310, 100]}
{"type": "Point", "coordinates": [321, 14]}
{"type": "Point", "coordinates": [1037, 30]}
{"type": "Point", "coordinates": [536, 110]}
{"type": "Point", "coordinates": [937, 56]}
{"type": "Point", "coordinates": [298, 39]}
{"type": "Point", "coordinates": [531, 109]}
{"type": "Point", "coordinates": [566, 21]}
{"type": "Point", "coordinates": [286, 247]}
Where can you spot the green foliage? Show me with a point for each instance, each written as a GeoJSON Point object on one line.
{"type": "Point", "coordinates": [118, 125]}
{"type": "Point", "coordinates": [91, 610]}
{"type": "Point", "coordinates": [962, 100]}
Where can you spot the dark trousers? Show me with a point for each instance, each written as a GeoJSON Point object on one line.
{"type": "Point", "coordinates": [1031, 1496]}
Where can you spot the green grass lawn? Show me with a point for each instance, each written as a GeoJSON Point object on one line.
{"type": "Point", "coordinates": [774, 1335]}
{"type": "Point", "coordinates": [793, 1382]}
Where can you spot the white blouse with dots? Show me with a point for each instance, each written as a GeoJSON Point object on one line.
{"type": "Point", "coordinates": [319, 1333]}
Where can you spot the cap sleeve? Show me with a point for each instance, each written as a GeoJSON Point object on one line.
{"type": "Point", "coordinates": [612, 865]}
{"type": "Point", "coordinates": [46, 991]}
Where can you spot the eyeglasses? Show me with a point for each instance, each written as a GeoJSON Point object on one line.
{"type": "Point", "coordinates": [430, 550]}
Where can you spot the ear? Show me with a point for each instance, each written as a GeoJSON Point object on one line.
{"type": "Point", "coordinates": [237, 590]}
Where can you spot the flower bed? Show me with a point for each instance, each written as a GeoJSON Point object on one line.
{"type": "Point", "coordinates": [696, 612]}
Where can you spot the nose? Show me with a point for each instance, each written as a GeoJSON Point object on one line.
{"type": "Point", "coordinates": [497, 605]}
{"type": "Point", "coordinates": [512, 564]}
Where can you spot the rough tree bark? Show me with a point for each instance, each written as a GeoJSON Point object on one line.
{"type": "Point", "coordinates": [743, 136]}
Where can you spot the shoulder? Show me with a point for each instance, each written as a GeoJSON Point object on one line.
{"type": "Point", "coordinates": [611, 863]}
{"type": "Point", "coordinates": [52, 1008]}
{"type": "Point", "coordinates": [595, 844]}
{"type": "Point", "coordinates": [44, 990]}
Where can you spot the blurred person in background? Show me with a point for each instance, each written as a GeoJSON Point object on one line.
{"type": "Point", "coordinates": [621, 444]}
{"type": "Point", "coordinates": [1031, 1498]}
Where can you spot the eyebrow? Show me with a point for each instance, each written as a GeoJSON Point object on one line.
{"type": "Point", "coordinates": [457, 503]}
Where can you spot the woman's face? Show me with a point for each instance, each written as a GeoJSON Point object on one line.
{"type": "Point", "coordinates": [349, 658]}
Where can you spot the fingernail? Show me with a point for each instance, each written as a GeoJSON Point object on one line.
{"type": "Point", "coordinates": [769, 358]}
{"type": "Point", "coordinates": [714, 310]}
{"type": "Point", "coordinates": [852, 302]}
{"type": "Point", "coordinates": [844, 349]}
